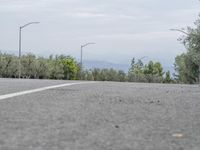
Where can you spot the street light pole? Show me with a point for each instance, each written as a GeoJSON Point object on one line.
{"type": "Point", "coordinates": [81, 56]}
{"type": "Point", "coordinates": [82, 46]}
{"type": "Point", "coordinates": [20, 43]}
{"type": "Point", "coordinates": [20, 32]}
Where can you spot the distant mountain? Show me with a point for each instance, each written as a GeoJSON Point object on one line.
{"type": "Point", "coordinates": [90, 64]}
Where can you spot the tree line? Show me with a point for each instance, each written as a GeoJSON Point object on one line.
{"type": "Point", "coordinates": [67, 68]}
{"type": "Point", "coordinates": [53, 67]}
{"type": "Point", "coordinates": [138, 72]}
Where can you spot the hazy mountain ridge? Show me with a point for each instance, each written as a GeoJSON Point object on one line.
{"type": "Point", "coordinates": [90, 64]}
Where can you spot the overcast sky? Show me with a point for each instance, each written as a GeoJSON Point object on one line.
{"type": "Point", "coordinates": [121, 29]}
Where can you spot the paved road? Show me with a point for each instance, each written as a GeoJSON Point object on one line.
{"type": "Point", "coordinates": [99, 116]}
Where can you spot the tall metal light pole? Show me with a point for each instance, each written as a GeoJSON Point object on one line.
{"type": "Point", "coordinates": [20, 43]}
{"type": "Point", "coordinates": [179, 30]}
{"type": "Point", "coordinates": [82, 46]}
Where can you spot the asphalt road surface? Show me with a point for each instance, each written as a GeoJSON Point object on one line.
{"type": "Point", "coordinates": [98, 116]}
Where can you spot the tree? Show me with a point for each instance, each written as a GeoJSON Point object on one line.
{"type": "Point", "coordinates": [153, 72]}
{"type": "Point", "coordinates": [55, 68]}
{"type": "Point", "coordinates": [87, 75]}
{"type": "Point", "coordinates": [8, 66]}
{"type": "Point", "coordinates": [42, 68]}
{"type": "Point", "coordinates": [167, 77]}
{"type": "Point", "coordinates": [187, 66]}
{"type": "Point", "coordinates": [96, 74]}
{"type": "Point", "coordinates": [69, 66]}
{"type": "Point", "coordinates": [121, 76]}
{"type": "Point", "coordinates": [28, 65]}
{"type": "Point", "coordinates": [186, 69]}
{"type": "Point", "coordinates": [135, 73]}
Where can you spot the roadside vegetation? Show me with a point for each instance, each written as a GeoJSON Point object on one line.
{"type": "Point", "coordinates": [187, 66]}
{"type": "Point", "coordinates": [67, 68]}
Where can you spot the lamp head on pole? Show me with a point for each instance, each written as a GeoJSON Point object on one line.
{"type": "Point", "coordinates": [87, 44]}
{"type": "Point", "coordinates": [29, 24]}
